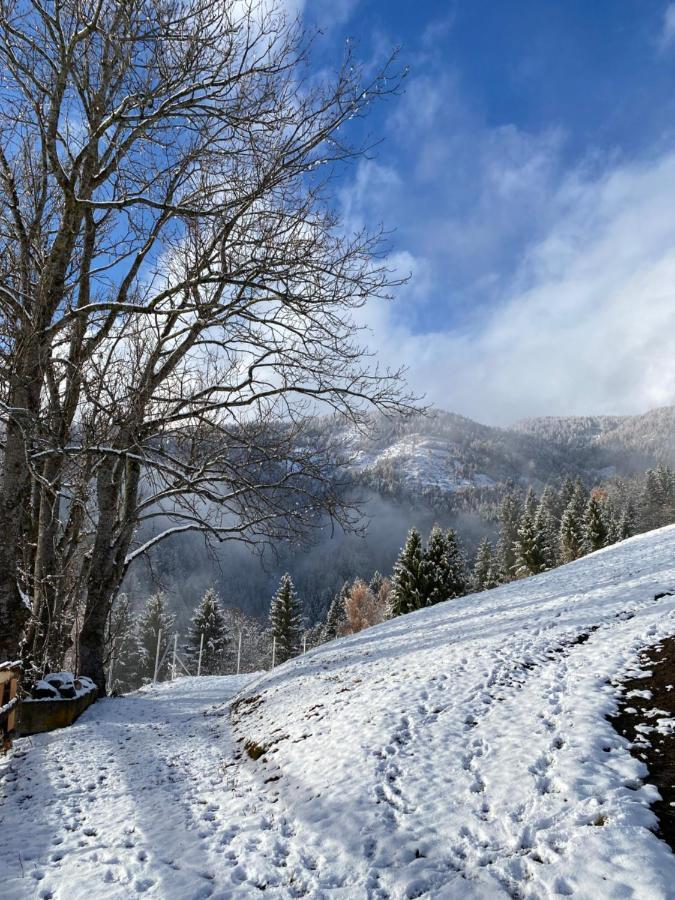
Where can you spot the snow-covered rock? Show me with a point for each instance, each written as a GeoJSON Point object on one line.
{"type": "Point", "coordinates": [62, 686]}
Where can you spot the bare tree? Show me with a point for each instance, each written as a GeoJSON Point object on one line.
{"type": "Point", "coordinates": [364, 607]}
{"type": "Point", "coordinates": [176, 295]}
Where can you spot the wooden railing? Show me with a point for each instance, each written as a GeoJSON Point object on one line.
{"type": "Point", "coordinates": [9, 702]}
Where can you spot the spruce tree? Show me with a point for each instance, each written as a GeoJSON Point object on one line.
{"type": "Point", "coordinates": [376, 582]}
{"type": "Point", "coordinates": [625, 527]}
{"type": "Point", "coordinates": [124, 651]}
{"type": "Point", "coordinates": [530, 502]}
{"type": "Point", "coordinates": [571, 533]}
{"type": "Point", "coordinates": [509, 520]}
{"type": "Point", "coordinates": [435, 570]}
{"type": "Point", "coordinates": [154, 619]}
{"type": "Point", "coordinates": [407, 592]}
{"type": "Point", "coordinates": [458, 577]}
{"type": "Point", "coordinates": [530, 559]}
{"type": "Point", "coordinates": [565, 494]}
{"type": "Point", "coordinates": [595, 529]}
{"type": "Point", "coordinates": [650, 501]}
{"type": "Point", "coordinates": [336, 617]}
{"type": "Point", "coordinates": [286, 620]}
{"type": "Point", "coordinates": [208, 622]}
{"type": "Point", "coordinates": [484, 575]}
{"type": "Point", "coordinates": [546, 527]}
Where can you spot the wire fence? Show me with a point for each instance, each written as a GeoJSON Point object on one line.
{"type": "Point", "coordinates": [178, 665]}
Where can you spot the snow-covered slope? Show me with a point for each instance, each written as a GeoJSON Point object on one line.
{"type": "Point", "coordinates": [458, 752]}
{"type": "Point", "coordinates": [462, 751]}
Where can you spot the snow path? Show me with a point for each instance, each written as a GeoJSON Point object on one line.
{"type": "Point", "coordinates": [128, 801]}
{"type": "Point", "coordinates": [459, 752]}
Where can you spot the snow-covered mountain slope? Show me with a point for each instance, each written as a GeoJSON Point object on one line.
{"type": "Point", "coordinates": [458, 752]}
{"type": "Point", "coordinates": [449, 453]}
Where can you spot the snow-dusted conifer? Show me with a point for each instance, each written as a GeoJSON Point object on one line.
{"type": "Point", "coordinates": [336, 619]}
{"type": "Point", "coordinates": [153, 619]}
{"type": "Point", "coordinates": [209, 621]}
{"type": "Point", "coordinates": [407, 593]}
{"type": "Point", "coordinates": [485, 575]}
{"type": "Point", "coordinates": [286, 620]}
{"type": "Point", "coordinates": [509, 521]}
{"type": "Point", "coordinates": [376, 582]}
{"type": "Point", "coordinates": [625, 526]}
{"type": "Point", "coordinates": [436, 572]}
{"type": "Point", "coordinates": [571, 533]}
{"type": "Point", "coordinates": [458, 577]}
{"type": "Point", "coordinates": [530, 558]}
{"type": "Point", "coordinates": [565, 494]}
{"type": "Point", "coordinates": [595, 528]}
{"type": "Point", "coordinates": [124, 649]}
{"type": "Point", "coordinates": [530, 502]}
{"type": "Point", "coordinates": [546, 527]}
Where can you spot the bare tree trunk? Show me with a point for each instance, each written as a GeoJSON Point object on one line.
{"type": "Point", "coordinates": [117, 493]}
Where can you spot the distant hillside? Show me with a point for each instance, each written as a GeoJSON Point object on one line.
{"type": "Point", "coordinates": [629, 442]}
{"type": "Point", "coordinates": [441, 468]}
{"type": "Point", "coordinates": [445, 453]}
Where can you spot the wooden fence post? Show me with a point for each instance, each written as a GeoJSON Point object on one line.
{"type": "Point", "coordinates": [110, 667]}
{"type": "Point", "coordinates": [199, 661]}
{"type": "Point", "coordinates": [159, 641]}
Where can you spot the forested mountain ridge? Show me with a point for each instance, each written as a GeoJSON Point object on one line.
{"type": "Point", "coordinates": [636, 440]}
{"type": "Point", "coordinates": [448, 453]}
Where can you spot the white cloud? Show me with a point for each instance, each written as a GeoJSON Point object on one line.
{"type": "Point", "coordinates": [585, 325]}
{"type": "Point", "coordinates": [668, 28]}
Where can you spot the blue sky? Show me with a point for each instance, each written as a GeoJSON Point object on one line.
{"type": "Point", "coordinates": [529, 173]}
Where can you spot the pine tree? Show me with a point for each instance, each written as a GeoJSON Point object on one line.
{"type": "Point", "coordinates": [565, 494]}
{"type": "Point", "coordinates": [458, 577]}
{"type": "Point", "coordinates": [530, 502]}
{"type": "Point", "coordinates": [124, 650]}
{"type": "Point", "coordinates": [286, 620]}
{"type": "Point", "coordinates": [484, 575]}
{"type": "Point", "coordinates": [336, 618]}
{"type": "Point", "coordinates": [611, 518]}
{"type": "Point", "coordinates": [209, 621]}
{"type": "Point", "coordinates": [650, 501]}
{"type": "Point", "coordinates": [153, 619]}
{"type": "Point", "coordinates": [571, 533]}
{"type": "Point", "coordinates": [625, 527]}
{"type": "Point", "coordinates": [376, 582]}
{"type": "Point", "coordinates": [530, 559]}
{"type": "Point", "coordinates": [407, 593]}
{"type": "Point", "coordinates": [595, 529]}
{"type": "Point", "coordinates": [509, 520]}
{"type": "Point", "coordinates": [547, 527]}
{"type": "Point", "coordinates": [435, 570]}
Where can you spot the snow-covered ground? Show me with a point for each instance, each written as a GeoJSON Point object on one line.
{"type": "Point", "coordinates": [459, 752]}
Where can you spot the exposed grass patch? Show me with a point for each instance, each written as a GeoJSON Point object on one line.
{"type": "Point", "coordinates": [255, 751]}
